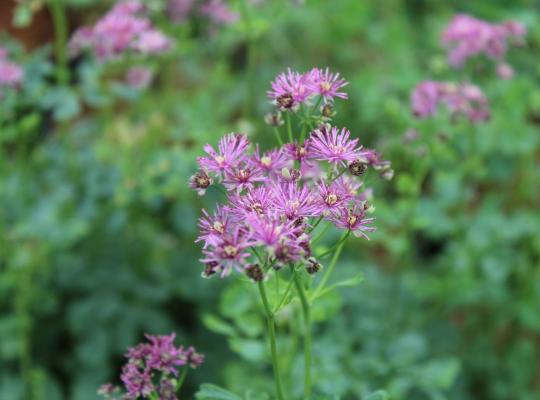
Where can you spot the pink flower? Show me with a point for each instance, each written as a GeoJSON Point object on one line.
{"type": "Point", "coordinates": [333, 146]}
{"type": "Point", "coordinates": [229, 251]}
{"type": "Point", "coordinates": [179, 10]}
{"type": "Point", "coordinates": [219, 12]}
{"type": "Point", "coordinates": [152, 41]}
{"type": "Point", "coordinates": [294, 201]}
{"type": "Point", "coordinates": [139, 77]}
{"type": "Point", "coordinates": [466, 37]}
{"type": "Point", "coordinates": [11, 74]}
{"type": "Point", "coordinates": [353, 219]}
{"type": "Point", "coordinates": [462, 99]}
{"type": "Point", "coordinates": [328, 84]}
{"type": "Point", "coordinates": [231, 153]}
{"type": "Point", "coordinates": [291, 89]}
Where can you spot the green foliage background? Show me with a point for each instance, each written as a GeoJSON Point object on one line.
{"type": "Point", "coordinates": [97, 224]}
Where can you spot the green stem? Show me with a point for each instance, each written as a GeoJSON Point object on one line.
{"type": "Point", "coordinates": [331, 267]}
{"type": "Point", "coordinates": [272, 338]}
{"type": "Point", "coordinates": [276, 309]}
{"type": "Point", "coordinates": [278, 136]}
{"type": "Point", "coordinates": [250, 55]}
{"type": "Point", "coordinates": [182, 378]}
{"type": "Point", "coordinates": [316, 224]}
{"type": "Point", "coordinates": [321, 234]}
{"type": "Point", "coordinates": [306, 311]}
{"type": "Point", "coordinates": [58, 12]}
{"type": "Point", "coordinates": [289, 128]}
{"type": "Point", "coordinates": [341, 240]}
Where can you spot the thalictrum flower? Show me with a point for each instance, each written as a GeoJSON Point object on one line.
{"type": "Point", "coordinates": [231, 152]}
{"type": "Point", "coordinates": [354, 219]}
{"type": "Point", "coordinates": [229, 251]}
{"type": "Point", "coordinates": [328, 84]}
{"type": "Point", "coordinates": [333, 145]}
{"type": "Point", "coordinates": [294, 201]}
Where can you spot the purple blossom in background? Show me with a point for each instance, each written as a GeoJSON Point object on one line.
{"type": "Point", "coordinates": [178, 10]}
{"type": "Point", "coordinates": [466, 37]}
{"type": "Point", "coordinates": [139, 77]}
{"type": "Point", "coordinates": [125, 28]}
{"type": "Point", "coordinates": [462, 99]}
{"type": "Point", "coordinates": [219, 12]}
{"type": "Point", "coordinates": [11, 74]}
{"type": "Point", "coordinates": [150, 367]}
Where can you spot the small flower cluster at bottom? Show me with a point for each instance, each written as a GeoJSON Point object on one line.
{"type": "Point", "coordinates": [153, 369]}
{"type": "Point", "coordinates": [11, 74]}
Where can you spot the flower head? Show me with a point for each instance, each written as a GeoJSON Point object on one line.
{"type": "Point", "coordinates": [291, 89]}
{"type": "Point", "coordinates": [328, 84]}
{"type": "Point", "coordinates": [354, 219]}
{"type": "Point", "coordinates": [229, 251]}
{"type": "Point", "coordinates": [231, 152]}
{"type": "Point", "coordinates": [333, 145]}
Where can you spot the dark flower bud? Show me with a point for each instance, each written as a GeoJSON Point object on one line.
{"type": "Point", "coordinates": [387, 173]}
{"type": "Point", "coordinates": [313, 266]}
{"type": "Point", "coordinates": [357, 168]}
{"type": "Point", "coordinates": [285, 101]}
{"type": "Point", "coordinates": [255, 272]}
{"type": "Point", "coordinates": [200, 182]}
{"type": "Point", "coordinates": [327, 111]}
{"type": "Point", "coordinates": [273, 119]}
{"type": "Point", "coordinates": [210, 269]}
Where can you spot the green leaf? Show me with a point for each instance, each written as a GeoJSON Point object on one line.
{"type": "Point", "coordinates": [378, 395]}
{"type": "Point", "coordinates": [213, 392]}
{"type": "Point", "coordinates": [218, 325]}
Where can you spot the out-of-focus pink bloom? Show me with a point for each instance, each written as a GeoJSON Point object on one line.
{"type": "Point", "coordinates": [466, 37]}
{"type": "Point", "coordinates": [179, 10]}
{"type": "Point", "coordinates": [139, 77]}
{"type": "Point", "coordinates": [219, 12]}
{"type": "Point", "coordinates": [11, 74]}
{"type": "Point", "coordinates": [462, 99]}
{"type": "Point", "coordinates": [505, 71]}
{"type": "Point", "coordinates": [124, 28]}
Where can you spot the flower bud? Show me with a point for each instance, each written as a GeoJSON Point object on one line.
{"type": "Point", "coordinates": [255, 272]}
{"type": "Point", "coordinates": [273, 119]}
{"type": "Point", "coordinates": [285, 101]}
{"type": "Point", "coordinates": [357, 168]}
{"type": "Point", "coordinates": [313, 266]}
{"type": "Point", "coordinates": [387, 173]}
{"type": "Point", "coordinates": [200, 182]}
{"type": "Point", "coordinates": [327, 111]}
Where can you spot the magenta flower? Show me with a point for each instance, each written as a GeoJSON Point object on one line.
{"type": "Point", "coordinates": [11, 74]}
{"type": "Point", "coordinates": [179, 10]}
{"type": "Point", "coordinates": [328, 84]}
{"type": "Point", "coordinates": [242, 177]}
{"type": "Point", "coordinates": [256, 201]}
{"type": "Point", "coordinates": [466, 37]}
{"type": "Point", "coordinates": [333, 146]}
{"type": "Point", "coordinates": [123, 29]}
{"type": "Point", "coordinates": [139, 77]}
{"type": "Point", "coordinates": [213, 228]}
{"type": "Point", "coordinates": [218, 12]}
{"type": "Point", "coordinates": [332, 197]}
{"type": "Point", "coordinates": [270, 162]}
{"type": "Point", "coordinates": [354, 219]}
{"type": "Point", "coordinates": [231, 152]}
{"type": "Point", "coordinates": [291, 89]}
{"type": "Point", "coordinates": [150, 367]}
{"type": "Point", "coordinates": [270, 231]}
{"type": "Point", "coordinates": [228, 252]}
{"type": "Point", "coordinates": [294, 201]}
{"type": "Point", "coordinates": [460, 99]}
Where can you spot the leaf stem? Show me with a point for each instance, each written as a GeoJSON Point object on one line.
{"type": "Point", "coordinates": [306, 311]}
{"type": "Point", "coordinates": [182, 378]}
{"type": "Point", "coordinates": [342, 239]}
{"type": "Point", "coordinates": [272, 339]}
{"type": "Point", "coordinates": [332, 265]}
{"type": "Point", "coordinates": [278, 136]}
{"type": "Point", "coordinates": [289, 128]}
{"type": "Point", "coordinates": [58, 12]}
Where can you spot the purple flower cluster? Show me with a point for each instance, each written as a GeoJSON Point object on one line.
{"type": "Point", "coordinates": [11, 74]}
{"type": "Point", "coordinates": [291, 89]}
{"type": "Point", "coordinates": [466, 37]}
{"type": "Point", "coordinates": [217, 11]}
{"type": "Point", "coordinates": [462, 99]}
{"type": "Point", "coordinates": [125, 28]}
{"type": "Point", "coordinates": [153, 367]}
{"type": "Point", "coordinates": [274, 198]}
